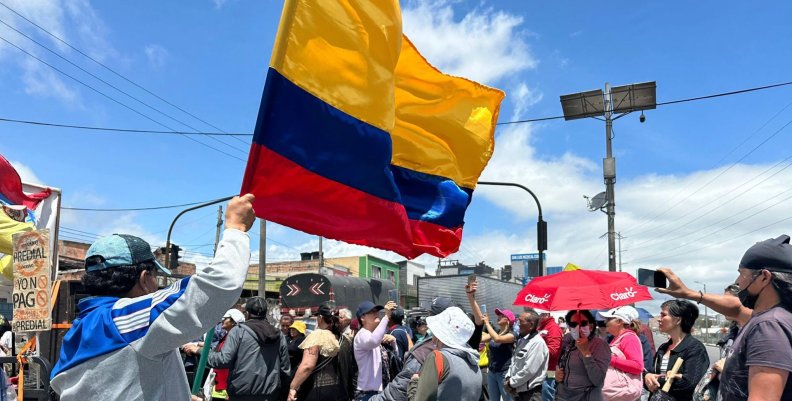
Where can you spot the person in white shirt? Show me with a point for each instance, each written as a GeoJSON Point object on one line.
{"type": "Point", "coordinates": [529, 362]}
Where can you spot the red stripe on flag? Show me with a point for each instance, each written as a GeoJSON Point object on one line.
{"type": "Point", "coordinates": [435, 239]}
{"type": "Point", "coordinates": [11, 187]}
{"type": "Point", "coordinates": [290, 195]}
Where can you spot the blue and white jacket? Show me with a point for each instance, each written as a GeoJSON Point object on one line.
{"type": "Point", "coordinates": [127, 348]}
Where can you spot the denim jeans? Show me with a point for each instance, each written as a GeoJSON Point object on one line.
{"type": "Point", "coordinates": [365, 395]}
{"type": "Point", "coordinates": [548, 389]}
{"type": "Point", "coordinates": [495, 386]}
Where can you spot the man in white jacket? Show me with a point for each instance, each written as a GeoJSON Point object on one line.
{"type": "Point", "coordinates": [529, 361]}
{"type": "Point", "coordinates": [124, 343]}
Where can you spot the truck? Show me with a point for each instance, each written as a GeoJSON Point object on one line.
{"type": "Point", "coordinates": [305, 292]}
{"type": "Point", "coordinates": [491, 292]}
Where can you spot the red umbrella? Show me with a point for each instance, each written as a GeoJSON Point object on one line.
{"type": "Point", "coordinates": [582, 289]}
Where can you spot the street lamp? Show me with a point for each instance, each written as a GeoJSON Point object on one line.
{"type": "Point", "coordinates": [706, 315]}
{"type": "Point", "coordinates": [621, 100]}
{"type": "Point", "coordinates": [541, 225]}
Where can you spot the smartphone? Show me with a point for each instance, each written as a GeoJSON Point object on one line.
{"type": "Point", "coordinates": [652, 278]}
{"type": "Point", "coordinates": [393, 295]}
{"type": "Point", "coordinates": [483, 309]}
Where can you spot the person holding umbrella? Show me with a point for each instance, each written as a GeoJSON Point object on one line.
{"type": "Point", "coordinates": [584, 360]}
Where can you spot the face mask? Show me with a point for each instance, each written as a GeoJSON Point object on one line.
{"type": "Point", "coordinates": [585, 331]}
{"type": "Point", "coordinates": [747, 299]}
{"type": "Point", "coordinates": [575, 334]}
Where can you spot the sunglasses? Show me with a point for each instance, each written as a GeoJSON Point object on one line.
{"type": "Point", "coordinates": [575, 324]}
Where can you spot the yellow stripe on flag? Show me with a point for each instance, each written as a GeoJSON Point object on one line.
{"type": "Point", "coordinates": [445, 125]}
{"type": "Point", "coordinates": [344, 52]}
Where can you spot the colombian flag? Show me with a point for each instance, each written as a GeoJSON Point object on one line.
{"type": "Point", "coordinates": [360, 139]}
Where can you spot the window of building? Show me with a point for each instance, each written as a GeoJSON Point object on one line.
{"type": "Point", "coordinates": [391, 276]}
{"type": "Point", "coordinates": [376, 272]}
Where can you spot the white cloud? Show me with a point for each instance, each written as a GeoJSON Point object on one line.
{"type": "Point", "coordinates": [44, 82]}
{"type": "Point", "coordinates": [219, 3]}
{"type": "Point", "coordinates": [25, 173]}
{"type": "Point", "coordinates": [484, 45]}
{"type": "Point", "coordinates": [156, 55]}
{"type": "Point", "coordinates": [524, 98]}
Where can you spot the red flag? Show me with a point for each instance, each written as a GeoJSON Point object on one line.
{"type": "Point", "coordinates": [11, 187]}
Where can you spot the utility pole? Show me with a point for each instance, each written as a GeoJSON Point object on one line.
{"type": "Point", "coordinates": [706, 316]}
{"type": "Point", "coordinates": [262, 270]}
{"type": "Point", "coordinates": [321, 256]}
{"type": "Point", "coordinates": [619, 237]}
{"type": "Point", "coordinates": [219, 225]}
{"type": "Point", "coordinates": [609, 173]}
{"type": "Point", "coordinates": [621, 100]}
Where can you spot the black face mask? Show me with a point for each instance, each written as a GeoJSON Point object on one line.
{"type": "Point", "coordinates": [747, 299]}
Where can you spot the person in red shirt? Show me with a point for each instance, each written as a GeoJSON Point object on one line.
{"type": "Point", "coordinates": [551, 334]}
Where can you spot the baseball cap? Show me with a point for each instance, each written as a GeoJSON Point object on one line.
{"type": "Point", "coordinates": [119, 250]}
{"type": "Point", "coordinates": [235, 315]}
{"type": "Point", "coordinates": [440, 304]}
{"type": "Point", "coordinates": [366, 307]}
{"type": "Point", "coordinates": [256, 306]}
{"type": "Point", "coordinates": [627, 314]}
{"type": "Point", "coordinates": [773, 254]}
{"type": "Point", "coordinates": [505, 312]}
{"type": "Point", "coordinates": [298, 325]}
{"type": "Point", "coordinates": [398, 314]}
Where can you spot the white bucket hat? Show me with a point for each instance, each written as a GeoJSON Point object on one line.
{"type": "Point", "coordinates": [235, 315]}
{"type": "Point", "coordinates": [627, 314]}
{"type": "Point", "coordinates": [452, 327]}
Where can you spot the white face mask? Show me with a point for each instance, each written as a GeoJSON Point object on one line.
{"type": "Point", "coordinates": [585, 331]}
{"type": "Point", "coordinates": [575, 334]}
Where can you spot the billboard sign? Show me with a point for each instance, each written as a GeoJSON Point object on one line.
{"type": "Point", "coordinates": [527, 263]}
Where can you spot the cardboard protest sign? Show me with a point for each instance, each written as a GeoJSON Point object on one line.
{"type": "Point", "coordinates": [32, 270]}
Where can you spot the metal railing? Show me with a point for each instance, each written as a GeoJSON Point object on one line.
{"type": "Point", "coordinates": [40, 389]}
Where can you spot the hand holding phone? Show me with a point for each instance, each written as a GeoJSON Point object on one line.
{"type": "Point", "coordinates": [483, 308]}
{"type": "Point", "coordinates": [652, 278]}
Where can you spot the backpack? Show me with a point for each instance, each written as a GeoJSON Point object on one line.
{"type": "Point", "coordinates": [406, 334]}
{"type": "Point", "coordinates": [395, 364]}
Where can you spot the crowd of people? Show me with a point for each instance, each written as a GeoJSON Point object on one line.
{"type": "Point", "coordinates": [125, 343]}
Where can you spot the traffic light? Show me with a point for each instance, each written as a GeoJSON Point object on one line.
{"type": "Point", "coordinates": [174, 257]}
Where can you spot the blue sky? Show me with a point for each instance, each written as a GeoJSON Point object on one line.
{"type": "Point", "coordinates": [210, 58]}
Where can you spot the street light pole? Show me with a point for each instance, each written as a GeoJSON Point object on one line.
{"type": "Point", "coordinates": [541, 225]}
{"type": "Point", "coordinates": [609, 173]}
{"type": "Point", "coordinates": [621, 100]}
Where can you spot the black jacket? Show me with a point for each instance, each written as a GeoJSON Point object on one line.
{"type": "Point", "coordinates": [696, 362]}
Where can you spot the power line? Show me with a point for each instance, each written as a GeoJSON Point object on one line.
{"type": "Point", "coordinates": [135, 131]}
{"type": "Point", "coordinates": [142, 131]}
{"type": "Point", "coordinates": [134, 209]}
{"type": "Point", "coordinates": [113, 86]}
{"type": "Point", "coordinates": [652, 241]}
{"type": "Point", "coordinates": [690, 99]}
{"type": "Point", "coordinates": [773, 135]}
{"type": "Point", "coordinates": [675, 250]}
{"type": "Point", "coordinates": [719, 243]}
{"type": "Point", "coordinates": [112, 70]}
{"type": "Point", "coordinates": [112, 99]}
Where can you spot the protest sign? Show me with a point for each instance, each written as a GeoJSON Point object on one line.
{"type": "Point", "coordinates": [32, 269]}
